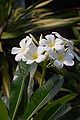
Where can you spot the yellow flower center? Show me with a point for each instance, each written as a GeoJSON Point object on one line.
{"type": "Point", "coordinates": [23, 49]}
{"type": "Point", "coordinates": [61, 57]}
{"type": "Point", "coordinates": [51, 44]}
{"type": "Point", "coordinates": [35, 55]}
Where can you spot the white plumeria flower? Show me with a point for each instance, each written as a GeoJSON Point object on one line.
{"type": "Point", "coordinates": [67, 43]}
{"type": "Point", "coordinates": [62, 58]}
{"type": "Point", "coordinates": [51, 43]}
{"type": "Point", "coordinates": [35, 54]}
{"type": "Point", "coordinates": [23, 49]}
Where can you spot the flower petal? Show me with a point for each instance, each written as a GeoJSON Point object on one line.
{"type": "Point", "coordinates": [29, 61]}
{"type": "Point", "coordinates": [50, 37]}
{"type": "Point", "coordinates": [69, 55]}
{"type": "Point", "coordinates": [59, 47]}
{"type": "Point", "coordinates": [59, 41]}
{"type": "Point", "coordinates": [18, 57]}
{"type": "Point", "coordinates": [53, 55]}
{"type": "Point", "coordinates": [40, 58]}
{"type": "Point", "coordinates": [58, 64]}
{"type": "Point", "coordinates": [24, 58]}
{"type": "Point", "coordinates": [25, 51]}
{"type": "Point", "coordinates": [28, 56]}
{"type": "Point", "coordinates": [43, 42]}
{"type": "Point", "coordinates": [57, 34]}
{"type": "Point", "coordinates": [23, 43]}
{"type": "Point", "coordinates": [32, 49]}
{"type": "Point", "coordinates": [48, 49]}
{"type": "Point", "coordinates": [40, 50]}
{"type": "Point", "coordinates": [69, 62]}
{"type": "Point", "coordinates": [15, 50]}
{"type": "Point", "coordinates": [29, 41]}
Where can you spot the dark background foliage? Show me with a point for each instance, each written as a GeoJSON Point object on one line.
{"type": "Point", "coordinates": [31, 22]}
{"type": "Point", "coordinates": [57, 6]}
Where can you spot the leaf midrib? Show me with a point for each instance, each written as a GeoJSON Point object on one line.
{"type": "Point", "coordinates": [18, 98]}
{"type": "Point", "coordinates": [39, 106]}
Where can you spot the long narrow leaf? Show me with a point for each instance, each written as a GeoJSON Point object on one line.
{"type": "Point", "coordinates": [3, 111]}
{"type": "Point", "coordinates": [52, 105]}
{"type": "Point", "coordinates": [60, 111]}
{"type": "Point", "coordinates": [43, 3]}
{"type": "Point", "coordinates": [17, 88]}
{"type": "Point", "coordinates": [42, 96]}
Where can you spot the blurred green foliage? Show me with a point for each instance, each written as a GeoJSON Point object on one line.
{"type": "Point", "coordinates": [15, 24]}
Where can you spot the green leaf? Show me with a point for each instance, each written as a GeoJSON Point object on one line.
{"type": "Point", "coordinates": [65, 99]}
{"type": "Point", "coordinates": [43, 3]}
{"type": "Point", "coordinates": [9, 35]}
{"type": "Point", "coordinates": [52, 105]}
{"type": "Point", "coordinates": [24, 26]}
{"type": "Point", "coordinates": [42, 96]}
{"type": "Point", "coordinates": [63, 109]}
{"type": "Point", "coordinates": [5, 76]}
{"type": "Point", "coordinates": [33, 19]}
{"type": "Point", "coordinates": [72, 114]}
{"type": "Point", "coordinates": [17, 88]}
{"type": "Point", "coordinates": [3, 111]}
{"type": "Point", "coordinates": [54, 114]}
{"type": "Point", "coordinates": [76, 33]}
{"type": "Point", "coordinates": [1, 47]}
{"type": "Point", "coordinates": [53, 23]}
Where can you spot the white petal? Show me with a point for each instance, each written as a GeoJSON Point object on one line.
{"type": "Point", "coordinates": [69, 62]}
{"type": "Point", "coordinates": [59, 47]}
{"type": "Point", "coordinates": [71, 42]}
{"type": "Point", "coordinates": [48, 49]}
{"type": "Point", "coordinates": [29, 41]}
{"type": "Point", "coordinates": [25, 51]}
{"type": "Point", "coordinates": [59, 41]}
{"type": "Point", "coordinates": [58, 64]}
{"type": "Point", "coordinates": [53, 55]}
{"type": "Point", "coordinates": [15, 50]}
{"type": "Point", "coordinates": [29, 61]}
{"type": "Point", "coordinates": [61, 51]}
{"type": "Point", "coordinates": [18, 57]}
{"type": "Point", "coordinates": [57, 34]}
{"type": "Point", "coordinates": [40, 58]}
{"type": "Point", "coordinates": [65, 40]}
{"type": "Point", "coordinates": [24, 58]}
{"type": "Point", "coordinates": [40, 50]}
{"type": "Point", "coordinates": [43, 42]}
{"type": "Point", "coordinates": [28, 56]}
{"type": "Point", "coordinates": [23, 43]}
{"type": "Point", "coordinates": [32, 49]}
{"type": "Point", "coordinates": [50, 37]}
{"type": "Point", "coordinates": [27, 38]}
{"type": "Point", "coordinates": [69, 55]}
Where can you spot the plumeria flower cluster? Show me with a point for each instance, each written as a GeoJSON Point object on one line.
{"type": "Point", "coordinates": [55, 47]}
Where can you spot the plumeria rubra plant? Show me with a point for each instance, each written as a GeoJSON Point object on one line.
{"type": "Point", "coordinates": [35, 91]}
{"type": "Point", "coordinates": [55, 48]}
{"type": "Point", "coordinates": [35, 58]}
